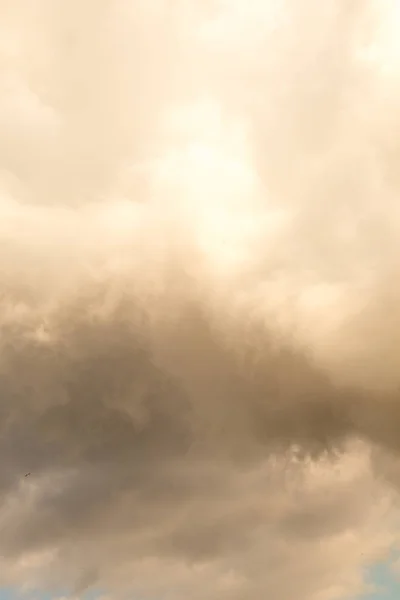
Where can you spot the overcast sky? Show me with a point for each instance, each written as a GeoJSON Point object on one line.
{"type": "Point", "coordinates": [199, 297]}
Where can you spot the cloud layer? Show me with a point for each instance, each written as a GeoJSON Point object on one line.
{"type": "Point", "coordinates": [199, 305]}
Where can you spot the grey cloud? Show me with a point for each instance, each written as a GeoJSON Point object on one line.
{"type": "Point", "coordinates": [195, 429]}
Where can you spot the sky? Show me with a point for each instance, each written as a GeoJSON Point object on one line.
{"type": "Point", "coordinates": [386, 585]}
{"type": "Point", "coordinates": [199, 299]}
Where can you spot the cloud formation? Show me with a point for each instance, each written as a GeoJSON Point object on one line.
{"type": "Point", "coordinates": [199, 303]}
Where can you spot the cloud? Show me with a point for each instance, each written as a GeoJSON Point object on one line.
{"type": "Point", "coordinates": [199, 305]}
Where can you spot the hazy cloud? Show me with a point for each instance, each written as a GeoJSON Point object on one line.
{"type": "Point", "coordinates": [198, 296]}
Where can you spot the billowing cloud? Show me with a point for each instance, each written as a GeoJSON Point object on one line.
{"type": "Point", "coordinates": [199, 306]}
